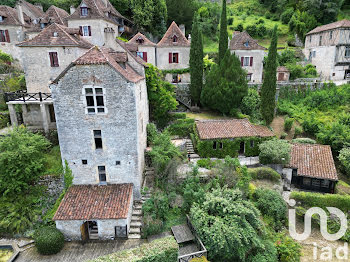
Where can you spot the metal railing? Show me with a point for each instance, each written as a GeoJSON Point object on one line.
{"type": "Point", "coordinates": [23, 96]}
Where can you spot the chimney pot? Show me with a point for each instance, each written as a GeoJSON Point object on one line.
{"type": "Point", "coordinates": [183, 29]}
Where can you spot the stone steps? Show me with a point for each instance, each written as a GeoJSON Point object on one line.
{"type": "Point", "coordinates": [134, 236]}
{"type": "Point", "coordinates": [136, 219]}
{"type": "Point", "coordinates": [135, 230]}
{"type": "Point", "coordinates": [137, 213]}
{"type": "Point", "coordinates": [135, 223]}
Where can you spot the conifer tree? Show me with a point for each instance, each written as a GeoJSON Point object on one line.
{"type": "Point", "coordinates": [223, 41]}
{"type": "Point", "coordinates": [196, 62]}
{"type": "Point", "coordinates": [225, 86]}
{"type": "Point", "coordinates": [268, 89]}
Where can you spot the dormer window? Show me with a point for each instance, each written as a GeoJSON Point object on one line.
{"type": "Point", "coordinates": [55, 34]}
{"type": "Point", "coordinates": [174, 39]}
{"type": "Point", "coordinates": [83, 10]}
{"type": "Point", "coordinates": [246, 44]}
{"type": "Point", "coordinates": [139, 40]}
{"type": "Point", "coordinates": [1, 18]}
{"type": "Point", "coordinates": [42, 25]}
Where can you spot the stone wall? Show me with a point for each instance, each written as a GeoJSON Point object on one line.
{"type": "Point", "coordinates": [123, 126]}
{"type": "Point", "coordinates": [163, 57]}
{"type": "Point", "coordinates": [16, 35]}
{"type": "Point", "coordinates": [151, 53]}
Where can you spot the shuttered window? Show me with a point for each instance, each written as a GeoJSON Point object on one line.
{"type": "Point", "coordinates": [4, 36]}
{"type": "Point", "coordinates": [173, 58]}
{"type": "Point", "coordinates": [85, 30]}
{"type": "Point", "coordinates": [142, 55]}
{"type": "Point", "coordinates": [246, 61]}
{"type": "Point", "coordinates": [53, 59]}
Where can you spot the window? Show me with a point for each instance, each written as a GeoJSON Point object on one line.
{"type": "Point", "coordinates": [143, 55]}
{"type": "Point", "coordinates": [307, 181]}
{"type": "Point", "coordinates": [324, 183]}
{"type": "Point", "coordinates": [117, 163]}
{"type": "Point", "coordinates": [98, 139]}
{"type": "Point", "coordinates": [55, 34]}
{"type": "Point", "coordinates": [140, 40]}
{"type": "Point", "coordinates": [94, 100]}
{"type": "Point", "coordinates": [310, 38]}
{"type": "Point", "coordinates": [84, 11]}
{"type": "Point", "coordinates": [176, 78]}
{"type": "Point", "coordinates": [246, 61]}
{"type": "Point", "coordinates": [4, 36]}
{"type": "Point", "coordinates": [246, 44]}
{"type": "Point", "coordinates": [102, 174]}
{"type": "Point", "coordinates": [53, 59]}
{"type": "Point", "coordinates": [84, 161]}
{"type": "Point", "coordinates": [347, 51]}
{"type": "Point", "coordinates": [1, 18]}
{"type": "Point", "coordinates": [251, 143]}
{"type": "Point", "coordinates": [85, 30]}
{"type": "Point", "coordinates": [330, 34]}
{"type": "Point", "coordinates": [221, 145]}
{"type": "Point", "coordinates": [174, 39]}
{"type": "Point", "coordinates": [173, 58]}
{"type": "Point", "coordinates": [313, 53]}
{"type": "Point", "coordinates": [42, 25]}
{"type": "Point", "coordinates": [320, 41]}
{"type": "Point", "coordinates": [249, 77]}
{"type": "Point", "coordinates": [316, 182]}
{"type": "Point", "coordinates": [214, 145]}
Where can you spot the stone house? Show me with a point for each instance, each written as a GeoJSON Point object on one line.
{"type": "Point", "coordinates": [93, 16]}
{"type": "Point", "coordinates": [233, 137]}
{"type": "Point", "coordinates": [101, 109]}
{"type": "Point", "coordinates": [144, 48]}
{"type": "Point", "coordinates": [312, 167]}
{"type": "Point", "coordinates": [328, 48]}
{"type": "Point", "coordinates": [251, 55]}
{"type": "Point", "coordinates": [283, 74]}
{"type": "Point", "coordinates": [44, 57]}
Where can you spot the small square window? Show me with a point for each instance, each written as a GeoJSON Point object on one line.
{"type": "Point", "coordinates": [221, 145]}
{"type": "Point", "coordinates": [251, 143]}
{"type": "Point", "coordinates": [102, 174]}
{"type": "Point", "coordinates": [117, 163]}
{"type": "Point", "coordinates": [214, 145]}
{"type": "Point", "coordinates": [84, 161]}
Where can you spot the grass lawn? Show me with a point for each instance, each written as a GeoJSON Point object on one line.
{"type": "Point", "coordinates": [205, 115]}
{"type": "Point", "coordinates": [53, 162]}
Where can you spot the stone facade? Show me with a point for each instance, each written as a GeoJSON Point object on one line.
{"type": "Point", "coordinates": [254, 69]}
{"type": "Point", "coordinates": [17, 34]}
{"type": "Point", "coordinates": [123, 126]}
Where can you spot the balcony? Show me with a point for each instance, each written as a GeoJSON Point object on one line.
{"type": "Point", "coordinates": [23, 96]}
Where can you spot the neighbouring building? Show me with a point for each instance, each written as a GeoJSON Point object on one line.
{"type": "Point", "coordinates": [93, 16]}
{"type": "Point", "coordinates": [101, 109]}
{"type": "Point", "coordinates": [251, 55]}
{"type": "Point", "coordinates": [328, 48]}
{"type": "Point", "coordinates": [233, 137]}
{"type": "Point", "coordinates": [144, 48]}
{"type": "Point", "coordinates": [283, 74]}
{"type": "Point", "coordinates": [44, 57]}
{"type": "Point", "coordinates": [312, 167]}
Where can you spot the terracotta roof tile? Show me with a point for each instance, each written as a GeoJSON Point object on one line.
{"type": "Point", "coordinates": [233, 128]}
{"type": "Point", "coordinates": [55, 15]}
{"type": "Point", "coordinates": [85, 202]}
{"type": "Point", "coordinates": [140, 39]}
{"type": "Point", "coordinates": [339, 24]}
{"type": "Point", "coordinates": [172, 31]}
{"type": "Point", "coordinates": [32, 8]}
{"type": "Point", "coordinates": [313, 161]}
{"type": "Point", "coordinates": [282, 69]}
{"type": "Point", "coordinates": [10, 14]}
{"type": "Point", "coordinates": [239, 39]}
{"type": "Point", "coordinates": [66, 37]}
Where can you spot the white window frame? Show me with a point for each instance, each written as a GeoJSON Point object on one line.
{"type": "Point", "coordinates": [102, 173]}
{"type": "Point", "coordinates": [246, 58]}
{"type": "Point", "coordinates": [83, 27]}
{"type": "Point", "coordinates": [249, 77]}
{"type": "Point", "coordinates": [94, 95]}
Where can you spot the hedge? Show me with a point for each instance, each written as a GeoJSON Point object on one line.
{"type": "Point", "coordinates": [181, 127]}
{"type": "Point", "coordinates": [310, 199]}
{"type": "Point", "coordinates": [264, 173]}
{"type": "Point", "coordinates": [303, 140]}
{"type": "Point", "coordinates": [4, 119]}
{"type": "Point", "coordinates": [48, 240]}
{"type": "Point", "coordinates": [160, 250]}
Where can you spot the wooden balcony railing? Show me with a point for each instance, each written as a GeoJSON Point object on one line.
{"type": "Point", "coordinates": [23, 96]}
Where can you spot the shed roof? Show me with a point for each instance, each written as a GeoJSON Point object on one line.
{"type": "Point", "coordinates": [232, 128]}
{"type": "Point", "coordinates": [243, 41]}
{"type": "Point", "coordinates": [339, 24]}
{"type": "Point", "coordinates": [314, 161]}
{"type": "Point", "coordinates": [172, 31]}
{"type": "Point", "coordinates": [85, 202]}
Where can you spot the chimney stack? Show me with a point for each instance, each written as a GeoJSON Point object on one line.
{"type": "Point", "coordinates": [39, 6]}
{"type": "Point", "coordinates": [110, 40]}
{"type": "Point", "coordinates": [183, 29]}
{"type": "Point", "coordinates": [72, 9]}
{"type": "Point", "coordinates": [20, 13]}
{"type": "Point", "coordinates": [189, 38]}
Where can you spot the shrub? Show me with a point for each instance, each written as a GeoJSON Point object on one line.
{"type": "Point", "coordinates": [4, 120]}
{"type": "Point", "coordinates": [192, 190]}
{"type": "Point", "coordinates": [252, 189]}
{"type": "Point", "coordinates": [274, 152]}
{"type": "Point", "coordinates": [288, 123]}
{"type": "Point", "coordinates": [271, 203]}
{"type": "Point", "coordinates": [160, 250]}
{"type": "Point", "coordinates": [287, 248]}
{"type": "Point", "coordinates": [303, 140]}
{"type": "Point", "coordinates": [298, 131]}
{"type": "Point", "coordinates": [342, 188]}
{"type": "Point", "coordinates": [239, 27]}
{"type": "Point", "coordinates": [287, 15]}
{"type": "Point", "coordinates": [151, 226]}
{"type": "Point", "coordinates": [284, 135]}
{"type": "Point", "coordinates": [252, 30]}
{"type": "Point", "coordinates": [344, 158]}
{"type": "Point", "coordinates": [181, 127]}
{"type": "Point", "coordinates": [206, 163]}
{"type": "Point", "coordinates": [264, 173]}
{"type": "Point", "coordinates": [251, 104]}
{"type": "Point", "coordinates": [151, 133]}
{"type": "Point", "coordinates": [48, 240]}
{"type": "Point", "coordinates": [157, 206]}
{"type": "Point", "coordinates": [230, 20]}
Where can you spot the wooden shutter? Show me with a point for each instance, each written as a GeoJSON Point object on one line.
{"type": "Point", "coordinates": [7, 35]}
{"type": "Point", "coordinates": [55, 59]}
{"type": "Point", "coordinates": [242, 60]}
{"type": "Point", "coordinates": [170, 58]}
{"type": "Point", "coordinates": [251, 61]}
{"type": "Point", "coordinates": [80, 30]}
{"type": "Point", "coordinates": [177, 58]}
{"type": "Point", "coordinates": [89, 30]}
{"type": "Point", "coordinates": [51, 59]}
{"type": "Point", "coordinates": [145, 56]}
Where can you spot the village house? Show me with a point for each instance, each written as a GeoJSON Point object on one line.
{"type": "Point", "coordinates": [93, 16]}
{"type": "Point", "coordinates": [251, 55]}
{"type": "Point", "coordinates": [144, 48]}
{"type": "Point", "coordinates": [44, 57]}
{"type": "Point", "coordinates": [233, 137]}
{"type": "Point", "coordinates": [283, 74]}
{"type": "Point", "coordinates": [101, 109]}
{"type": "Point", "coordinates": [328, 48]}
{"type": "Point", "coordinates": [312, 167]}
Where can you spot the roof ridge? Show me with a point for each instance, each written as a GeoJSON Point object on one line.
{"type": "Point", "coordinates": [72, 38]}
{"type": "Point", "coordinates": [16, 18]}
{"type": "Point", "coordinates": [55, 8]}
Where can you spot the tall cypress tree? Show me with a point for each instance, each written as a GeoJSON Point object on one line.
{"type": "Point", "coordinates": [268, 89]}
{"type": "Point", "coordinates": [196, 62]}
{"type": "Point", "coordinates": [223, 41]}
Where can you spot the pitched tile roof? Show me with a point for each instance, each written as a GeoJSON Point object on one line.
{"type": "Point", "coordinates": [172, 31]}
{"type": "Point", "coordinates": [313, 161]}
{"type": "Point", "coordinates": [37, 12]}
{"type": "Point", "coordinates": [126, 48]}
{"type": "Point", "coordinates": [66, 37]}
{"type": "Point", "coordinates": [97, 9]}
{"type": "Point", "coordinates": [240, 38]}
{"type": "Point", "coordinates": [10, 14]}
{"type": "Point", "coordinates": [140, 39]}
{"type": "Point", "coordinates": [282, 69]}
{"type": "Point", "coordinates": [232, 128]}
{"type": "Point", "coordinates": [339, 24]}
{"type": "Point", "coordinates": [55, 15]}
{"type": "Point", "coordinates": [85, 202]}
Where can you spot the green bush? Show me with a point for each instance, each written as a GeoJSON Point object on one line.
{"type": "Point", "coordinates": [264, 173]}
{"type": "Point", "coordinates": [48, 240]}
{"type": "Point", "coordinates": [288, 249]}
{"type": "Point", "coordinates": [298, 131]}
{"type": "Point", "coordinates": [288, 123]}
{"type": "Point", "coordinates": [342, 188]}
{"type": "Point", "coordinates": [344, 158]}
{"type": "Point", "coordinates": [151, 226]}
{"type": "Point", "coordinates": [160, 250]}
{"type": "Point", "coordinates": [207, 163]}
{"type": "Point", "coordinates": [157, 206]}
{"type": "Point", "coordinates": [303, 140]}
{"type": "Point", "coordinates": [181, 127]}
{"type": "Point", "coordinates": [283, 135]}
{"type": "Point", "coordinates": [4, 120]}
{"type": "Point", "coordinates": [274, 152]}
{"type": "Point", "coordinates": [151, 133]}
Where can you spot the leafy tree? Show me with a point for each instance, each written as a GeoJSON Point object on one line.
{"type": "Point", "coordinates": [193, 192]}
{"type": "Point", "coordinates": [344, 158]}
{"type": "Point", "coordinates": [223, 41]}
{"type": "Point", "coordinates": [287, 56]}
{"type": "Point", "coordinates": [161, 96]}
{"type": "Point", "coordinates": [268, 89]}
{"type": "Point", "coordinates": [196, 63]}
{"type": "Point", "coordinates": [274, 152]}
{"type": "Point", "coordinates": [181, 11]}
{"type": "Point", "coordinates": [251, 104]}
{"type": "Point", "coordinates": [21, 160]}
{"type": "Point", "coordinates": [301, 23]}
{"type": "Point", "coordinates": [123, 6]}
{"type": "Point", "coordinates": [150, 15]}
{"type": "Point", "coordinates": [225, 86]}
{"type": "Point", "coordinates": [230, 227]}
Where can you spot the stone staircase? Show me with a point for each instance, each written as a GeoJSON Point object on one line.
{"type": "Point", "coordinates": [190, 150]}
{"type": "Point", "coordinates": [136, 220]}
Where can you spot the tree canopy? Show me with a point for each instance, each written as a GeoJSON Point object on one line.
{"type": "Point", "coordinates": [274, 152]}
{"type": "Point", "coordinates": [223, 41]}
{"type": "Point", "coordinates": [182, 12]}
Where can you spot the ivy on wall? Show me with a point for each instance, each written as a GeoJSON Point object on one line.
{"type": "Point", "coordinates": [176, 71]}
